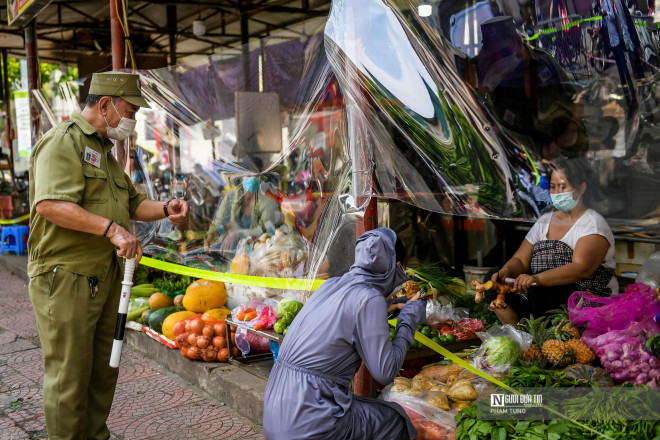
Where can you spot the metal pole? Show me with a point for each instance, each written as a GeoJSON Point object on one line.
{"type": "Point", "coordinates": [33, 76]}
{"type": "Point", "coordinates": [5, 88]}
{"type": "Point", "coordinates": [245, 41]}
{"type": "Point", "coordinates": [117, 35]}
{"type": "Point", "coordinates": [171, 28]}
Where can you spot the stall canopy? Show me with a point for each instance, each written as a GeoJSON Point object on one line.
{"type": "Point", "coordinates": [71, 31]}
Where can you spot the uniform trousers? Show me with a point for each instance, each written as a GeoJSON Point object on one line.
{"type": "Point", "coordinates": [76, 329]}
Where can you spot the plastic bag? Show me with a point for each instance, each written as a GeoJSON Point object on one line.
{"type": "Point", "coordinates": [256, 312]}
{"type": "Point", "coordinates": [202, 339]}
{"type": "Point", "coordinates": [431, 423]}
{"type": "Point", "coordinates": [613, 330]}
{"type": "Point", "coordinates": [649, 273]}
{"type": "Point", "coordinates": [436, 313]}
{"type": "Point", "coordinates": [501, 348]}
{"type": "Point", "coordinates": [639, 303]}
{"type": "Point", "coordinates": [242, 263]}
{"type": "Point", "coordinates": [280, 255]}
{"type": "Point", "coordinates": [248, 342]}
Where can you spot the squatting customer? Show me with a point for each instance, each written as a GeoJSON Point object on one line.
{"type": "Point", "coordinates": [343, 324]}
{"type": "Point", "coordinates": [571, 248]}
{"type": "Point", "coordinates": [81, 203]}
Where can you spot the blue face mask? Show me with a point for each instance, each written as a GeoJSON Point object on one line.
{"type": "Point", "coordinates": [564, 201]}
{"type": "Point", "coordinates": [251, 184]}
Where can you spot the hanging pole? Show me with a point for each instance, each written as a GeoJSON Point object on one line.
{"type": "Point", "coordinates": [6, 93]}
{"type": "Point", "coordinates": [245, 41]}
{"type": "Point", "coordinates": [171, 28]}
{"type": "Point", "coordinates": [33, 76]}
{"type": "Point", "coordinates": [117, 35]}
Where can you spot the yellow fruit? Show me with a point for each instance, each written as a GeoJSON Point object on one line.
{"type": "Point", "coordinates": [533, 352]}
{"type": "Point", "coordinates": [159, 300]}
{"type": "Point", "coordinates": [220, 313]}
{"type": "Point", "coordinates": [583, 354]}
{"type": "Point", "coordinates": [168, 323]}
{"type": "Point", "coordinates": [204, 294]}
{"type": "Point", "coordinates": [568, 331]}
{"type": "Point", "coordinates": [557, 352]}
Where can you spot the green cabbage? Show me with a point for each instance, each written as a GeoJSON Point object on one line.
{"type": "Point", "coordinates": [500, 352]}
{"type": "Point", "coordinates": [288, 305]}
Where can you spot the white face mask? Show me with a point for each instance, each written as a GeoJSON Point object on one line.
{"type": "Point", "coordinates": [123, 130]}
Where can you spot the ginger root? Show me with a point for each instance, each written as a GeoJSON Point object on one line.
{"type": "Point", "coordinates": [501, 288]}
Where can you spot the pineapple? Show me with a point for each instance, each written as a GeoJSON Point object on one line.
{"type": "Point", "coordinates": [564, 329]}
{"type": "Point", "coordinates": [533, 353]}
{"type": "Point", "coordinates": [410, 288]}
{"type": "Point", "coordinates": [583, 354]}
{"type": "Point", "coordinates": [557, 353]}
{"type": "Point", "coordinates": [538, 328]}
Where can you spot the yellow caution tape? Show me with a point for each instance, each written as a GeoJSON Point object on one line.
{"type": "Point", "coordinates": [12, 221]}
{"type": "Point", "coordinates": [246, 280]}
{"type": "Point", "coordinates": [449, 355]}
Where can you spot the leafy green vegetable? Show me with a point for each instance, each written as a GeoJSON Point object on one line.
{"type": "Point", "coordinates": [141, 274]}
{"type": "Point", "coordinates": [288, 305]}
{"type": "Point", "coordinates": [534, 376]}
{"type": "Point", "coordinates": [652, 344]}
{"type": "Point", "coordinates": [469, 428]}
{"type": "Point", "coordinates": [171, 283]}
{"type": "Point", "coordinates": [501, 352]}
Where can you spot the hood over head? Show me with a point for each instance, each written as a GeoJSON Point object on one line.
{"type": "Point", "coordinates": [375, 260]}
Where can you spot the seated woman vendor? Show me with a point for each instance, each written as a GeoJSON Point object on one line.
{"type": "Point", "coordinates": [244, 212]}
{"type": "Point", "coordinates": [569, 249]}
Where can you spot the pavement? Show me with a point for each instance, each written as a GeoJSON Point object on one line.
{"type": "Point", "coordinates": [151, 401]}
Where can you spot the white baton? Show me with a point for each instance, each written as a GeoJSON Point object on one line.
{"type": "Point", "coordinates": [126, 284]}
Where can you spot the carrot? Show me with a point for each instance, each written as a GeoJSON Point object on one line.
{"type": "Point", "coordinates": [250, 316]}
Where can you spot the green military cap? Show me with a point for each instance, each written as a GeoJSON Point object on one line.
{"type": "Point", "coordinates": [124, 85]}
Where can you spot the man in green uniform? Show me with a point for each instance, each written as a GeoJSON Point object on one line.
{"type": "Point", "coordinates": [81, 203]}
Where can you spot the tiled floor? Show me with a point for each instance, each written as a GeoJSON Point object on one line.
{"type": "Point", "coordinates": [149, 403]}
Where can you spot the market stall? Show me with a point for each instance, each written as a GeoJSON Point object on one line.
{"type": "Point", "coordinates": [380, 119]}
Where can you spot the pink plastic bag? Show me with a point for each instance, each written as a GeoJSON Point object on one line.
{"type": "Point", "coordinates": [613, 332]}
{"type": "Point", "coordinates": [601, 315]}
{"type": "Point", "coordinates": [266, 315]}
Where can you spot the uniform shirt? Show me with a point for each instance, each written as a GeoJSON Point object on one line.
{"type": "Point", "coordinates": [588, 224]}
{"type": "Point", "coordinates": [72, 162]}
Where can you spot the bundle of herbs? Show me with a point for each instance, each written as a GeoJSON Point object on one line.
{"type": "Point", "coordinates": [437, 278]}
{"type": "Point", "coordinates": [470, 428]}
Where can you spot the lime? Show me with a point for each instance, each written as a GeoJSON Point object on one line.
{"type": "Point", "coordinates": [426, 331]}
{"type": "Point", "coordinates": [415, 344]}
{"type": "Point", "coordinates": [443, 338]}
{"type": "Point", "coordinates": [436, 339]}
{"type": "Point", "coordinates": [451, 337]}
{"type": "Point", "coordinates": [420, 327]}
{"type": "Point", "coordinates": [435, 333]}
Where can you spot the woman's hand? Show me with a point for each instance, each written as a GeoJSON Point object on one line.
{"type": "Point", "coordinates": [500, 275]}
{"type": "Point", "coordinates": [524, 282]}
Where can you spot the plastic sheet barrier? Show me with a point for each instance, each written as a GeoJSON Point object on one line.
{"type": "Point", "coordinates": [461, 113]}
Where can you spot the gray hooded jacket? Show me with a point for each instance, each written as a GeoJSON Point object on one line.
{"type": "Point", "coordinates": [343, 324]}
